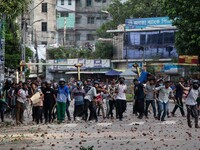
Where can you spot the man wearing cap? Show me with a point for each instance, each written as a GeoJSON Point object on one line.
{"type": "Point", "coordinates": [62, 96]}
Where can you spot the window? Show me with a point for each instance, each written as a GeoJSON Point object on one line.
{"type": "Point", "coordinates": [62, 2]}
{"type": "Point", "coordinates": [78, 20]}
{"type": "Point", "coordinates": [90, 37]}
{"type": "Point", "coordinates": [64, 14]}
{"type": "Point", "coordinates": [44, 26]}
{"type": "Point", "coordinates": [104, 1]}
{"type": "Point", "coordinates": [88, 3]}
{"type": "Point", "coordinates": [78, 3]}
{"type": "Point", "coordinates": [44, 7]}
{"type": "Point", "coordinates": [44, 43]}
{"type": "Point", "coordinates": [69, 2]}
{"type": "Point", "coordinates": [78, 37]}
{"type": "Point", "coordinates": [67, 37]}
{"type": "Point", "coordinates": [90, 20]}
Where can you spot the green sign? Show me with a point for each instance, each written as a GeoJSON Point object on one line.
{"type": "Point", "coordinates": [70, 21]}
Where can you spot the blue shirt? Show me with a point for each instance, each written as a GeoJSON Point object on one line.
{"type": "Point", "coordinates": [63, 94]}
{"type": "Point", "coordinates": [78, 95]}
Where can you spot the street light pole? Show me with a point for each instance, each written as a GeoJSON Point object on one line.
{"type": "Point", "coordinates": [37, 57]}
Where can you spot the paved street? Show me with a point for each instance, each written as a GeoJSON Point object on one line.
{"type": "Point", "coordinates": [129, 134]}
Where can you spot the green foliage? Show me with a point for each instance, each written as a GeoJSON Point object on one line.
{"type": "Point", "coordinates": [64, 53]}
{"type": "Point", "coordinates": [104, 50]}
{"type": "Point", "coordinates": [185, 16]}
{"type": "Point", "coordinates": [13, 8]}
{"type": "Point", "coordinates": [12, 46]}
{"type": "Point", "coordinates": [130, 9]}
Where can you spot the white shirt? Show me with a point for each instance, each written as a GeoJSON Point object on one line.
{"type": "Point", "coordinates": [22, 95]}
{"type": "Point", "coordinates": [121, 94]}
{"type": "Point", "coordinates": [192, 97]}
{"type": "Point", "coordinates": [164, 93]}
{"type": "Point", "coordinates": [91, 94]}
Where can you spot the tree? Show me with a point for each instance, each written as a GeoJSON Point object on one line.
{"type": "Point", "coordinates": [130, 9]}
{"type": "Point", "coordinates": [185, 16]}
{"type": "Point", "coordinates": [65, 53]}
{"type": "Point", "coordinates": [12, 46]}
{"type": "Point", "coordinates": [13, 8]}
{"type": "Point", "coordinates": [104, 50]}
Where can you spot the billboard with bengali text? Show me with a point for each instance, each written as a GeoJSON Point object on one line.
{"type": "Point", "coordinates": [87, 63]}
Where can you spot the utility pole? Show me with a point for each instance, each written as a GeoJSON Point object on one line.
{"type": "Point", "coordinates": [23, 52]}
{"type": "Point", "coordinates": [65, 28]}
{"type": "Point", "coordinates": [37, 58]}
{"type": "Point", "coordinates": [126, 45]}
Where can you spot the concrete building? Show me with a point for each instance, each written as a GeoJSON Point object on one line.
{"type": "Point", "coordinates": [65, 23]}
{"type": "Point", "coordinates": [82, 18]}
{"type": "Point", "coordinates": [42, 22]}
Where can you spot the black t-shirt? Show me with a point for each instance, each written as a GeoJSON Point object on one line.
{"type": "Point", "coordinates": [139, 91]}
{"type": "Point", "coordinates": [179, 91]}
{"type": "Point", "coordinates": [48, 95]}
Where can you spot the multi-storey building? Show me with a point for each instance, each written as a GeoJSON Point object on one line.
{"type": "Point", "coordinates": [71, 23]}
{"type": "Point", "coordinates": [81, 21]}
{"type": "Point", "coordinates": [42, 22]}
{"type": "Point", "coordinates": [65, 12]}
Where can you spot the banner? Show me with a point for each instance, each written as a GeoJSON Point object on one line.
{"type": "Point", "coordinates": [188, 59]}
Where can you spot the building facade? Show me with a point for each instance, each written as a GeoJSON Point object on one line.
{"type": "Point", "coordinates": [82, 18]}
{"type": "Point", "coordinates": [42, 22]}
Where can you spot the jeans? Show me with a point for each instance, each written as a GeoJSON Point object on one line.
{"type": "Point", "coordinates": [192, 109]}
{"type": "Point", "coordinates": [112, 104]}
{"type": "Point", "coordinates": [92, 107]}
{"type": "Point", "coordinates": [152, 102]}
{"type": "Point", "coordinates": [121, 107]}
{"type": "Point", "coordinates": [179, 105]}
{"type": "Point", "coordinates": [107, 108]}
{"type": "Point", "coordinates": [48, 112]}
{"type": "Point", "coordinates": [163, 107]}
{"type": "Point", "coordinates": [100, 106]}
{"type": "Point", "coordinates": [67, 110]}
{"type": "Point", "coordinates": [38, 114]}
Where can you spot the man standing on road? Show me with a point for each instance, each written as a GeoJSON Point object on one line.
{"type": "Point", "coordinates": [121, 98]}
{"type": "Point", "coordinates": [179, 95]}
{"type": "Point", "coordinates": [22, 95]}
{"type": "Point", "coordinates": [89, 102]}
{"type": "Point", "coordinates": [49, 100]}
{"type": "Point", "coordinates": [78, 95]}
{"type": "Point", "coordinates": [62, 96]}
{"type": "Point", "coordinates": [164, 93]}
{"type": "Point", "coordinates": [139, 98]}
{"type": "Point", "coordinates": [191, 103]}
{"type": "Point", "coordinates": [150, 97]}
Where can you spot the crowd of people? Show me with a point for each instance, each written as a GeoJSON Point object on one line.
{"type": "Point", "coordinates": [50, 101]}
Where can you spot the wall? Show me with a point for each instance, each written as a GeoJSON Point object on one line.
{"type": "Point", "coordinates": [50, 17]}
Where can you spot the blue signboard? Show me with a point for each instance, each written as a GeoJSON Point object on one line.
{"type": "Point", "coordinates": [146, 22]}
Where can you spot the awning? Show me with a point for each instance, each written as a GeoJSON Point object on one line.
{"type": "Point", "coordinates": [33, 76]}
{"type": "Point", "coordinates": [128, 72]}
{"type": "Point", "coordinates": [113, 73]}
{"type": "Point", "coordinates": [87, 72]}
